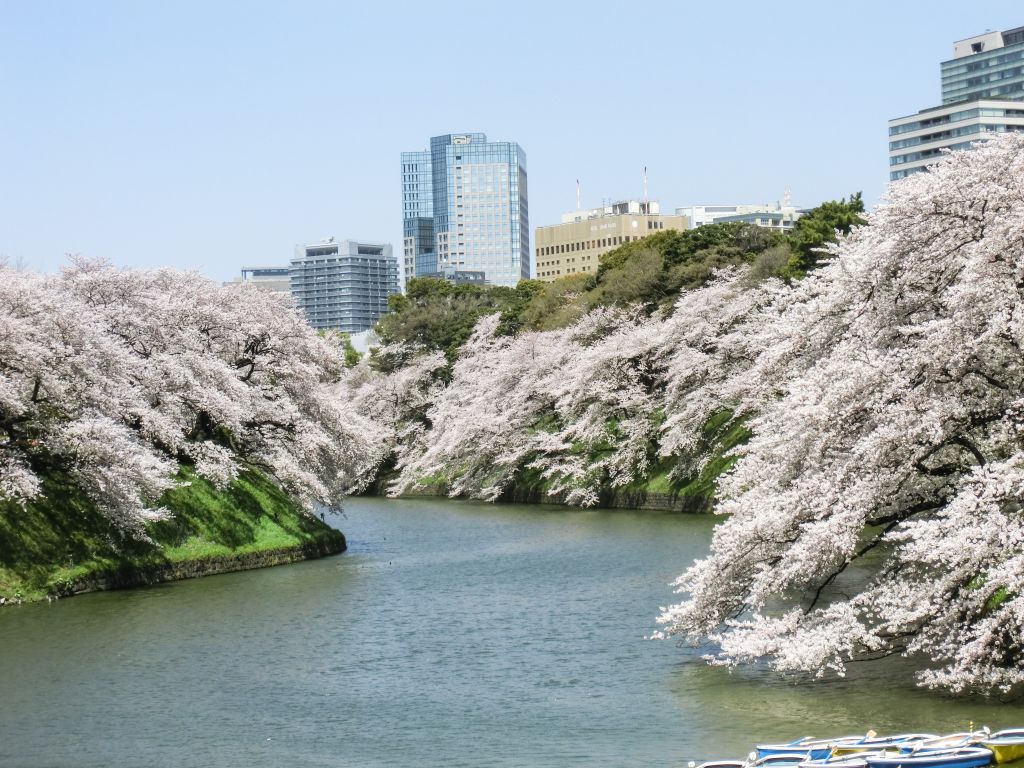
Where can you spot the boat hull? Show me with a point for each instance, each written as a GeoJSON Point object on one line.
{"type": "Point", "coordinates": [1005, 753]}
{"type": "Point", "coordinates": [968, 758]}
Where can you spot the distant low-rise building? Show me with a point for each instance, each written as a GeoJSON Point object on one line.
{"type": "Point", "coordinates": [577, 244]}
{"type": "Point", "coordinates": [273, 279]}
{"type": "Point", "coordinates": [343, 285]}
{"type": "Point", "coordinates": [780, 217]}
{"type": "Point", "coordinates": [459, 276]}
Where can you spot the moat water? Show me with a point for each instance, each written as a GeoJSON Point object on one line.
{"type": "Point", "coordinates": [449, 634]}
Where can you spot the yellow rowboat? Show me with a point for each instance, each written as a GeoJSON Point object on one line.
{"type": "Point", "coordinates": [1007, 746]}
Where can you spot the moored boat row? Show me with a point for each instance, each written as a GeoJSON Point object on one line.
{"type": "Point", "coordinates": [971, 749]}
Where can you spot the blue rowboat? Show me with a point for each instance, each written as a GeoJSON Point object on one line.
{"type": "Point", "coordinates": [783, 760]}
{"type": "Point", "coordinates": [952, 741]}
{"type": "Point", "coordinates": [821, 749]}
{"type": "Point", "coordinates": [961, 757]}
{"type": "Point", "coordinates": [810, 747]}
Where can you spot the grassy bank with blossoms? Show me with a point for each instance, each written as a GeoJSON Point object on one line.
{"type": "Point", "coordinates": [656, 489]}
{"type": "Point", "coordinates": [155, 425]}
{"type": "Point", "coordinates": [60, 544]}
{"type": "Point", "coordinates": [659, 487]}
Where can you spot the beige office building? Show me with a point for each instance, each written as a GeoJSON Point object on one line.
{"type": "Point", "coordinates": [577, 244]}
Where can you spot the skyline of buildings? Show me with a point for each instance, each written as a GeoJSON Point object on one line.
{"type": "Point", "coordinates": [244, 179]}
{"type": "Point", "coordinates": [982, 93]}
{"type": "Point", "coordinates": [465, 207]}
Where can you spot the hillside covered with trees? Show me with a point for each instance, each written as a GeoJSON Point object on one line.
{"type": "Point", "coordinates": [857, 405]}
{"type": "Point", "coordinates": [155, 414]}
{"type": "Point", "coordinates": [557, 331]}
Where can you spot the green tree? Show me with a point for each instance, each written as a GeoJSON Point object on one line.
{"type": "Point", "coordinates": [512, 320]}
{"type": "Point", "coordinates": [655, 269]}
{"type": "Point", "coordinates": [439, 315]}
{"type": "Point", "coordinates": [352, 355]}
{"type": "Point", "coordinates": [555, 304]}
{"type": "Point", "coordinates": [818, 227]}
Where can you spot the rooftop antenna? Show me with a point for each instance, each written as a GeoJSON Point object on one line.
{"type": "Point", "coordinates": [577, 194]}
{"type": "Point", "coordinates": [645, 183]}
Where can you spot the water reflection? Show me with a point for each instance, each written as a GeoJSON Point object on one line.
{"type": "Point", "coordinates": [449, 634]}
{"type": "Point", "coordinates": [879, 696]}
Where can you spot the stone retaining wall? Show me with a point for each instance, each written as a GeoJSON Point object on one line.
{"type": "Point", "coordinates": [608, 499]}
{"type": "Point", "coordinates": [617, 499]}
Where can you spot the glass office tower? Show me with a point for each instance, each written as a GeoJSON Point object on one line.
{"type": "Point", "coordinates": [418, 254]}
{"type": "Point", "coordinates": [469, 196]}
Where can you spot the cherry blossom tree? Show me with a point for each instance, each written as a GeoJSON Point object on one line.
{"type": "Point", "coordinates": [587, 407]}
{"type": "Point", "coordinates": [604, 406]}
{"type": "Point", "coordinates": [887, 437]}
{"type": "Point", "coordinates": [480, 422]}
{"type": "Point", "coordinates": [119, 375]}
{"type": "Point", "coordinates": [707, 347]}
{"type": "Point", "coordinates": [396, 398]}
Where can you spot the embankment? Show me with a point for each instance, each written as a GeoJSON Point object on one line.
{"type": "Point", "coordinates": [59, 544]}
{"type": "Point", "coordinates": [131, 575]}
{"type": "Point", "coordinates": [653, 494]}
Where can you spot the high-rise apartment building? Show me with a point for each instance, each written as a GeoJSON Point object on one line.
{"type": "Point", "coordinates": [988, 66]}
{"type": "Point", "coordinates": [343, 285]}
{"type": "Point", "coordinates": [464, 207]}
{"type": "Point", "coordinates": [982, 93]}
{"type": "Point", "coordinates": [577, 244]}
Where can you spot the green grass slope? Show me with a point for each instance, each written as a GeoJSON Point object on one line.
{"type": "Point", "coordinates": [60, 541]}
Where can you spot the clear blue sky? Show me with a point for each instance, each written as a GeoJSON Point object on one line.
{"type": "Point", "coordinates": [214, 135]}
